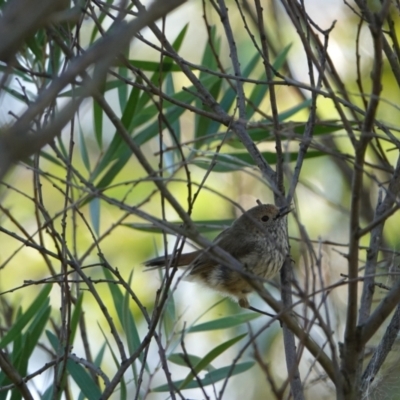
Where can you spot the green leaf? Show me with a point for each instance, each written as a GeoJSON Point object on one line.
{"type": "Point", "coordinates": [228, 162]}
{"type": "Point", "coordinates": [130, 329]}
{"type": "Point", "coordinates": [115, 168]}
{"type": "Point", "coordinates": [212, 377]}
{"type": "Point", "coordinates": [223, 323]}
{"type": "Point", "coordinates": [169, 316]}
{"type": "Point", "coordinates": [116, 359]}
{"type": "Point", "coordinates": [36, 43]}
{"type": "Point", "coordinates": [53, 339]}
{"type": "Point", "coordinates": [175, 125]}
{"type": "Point", "coordinates": [152, 66]}
{"type": "Point", "coordinates": [179, 39]}
{"type": "Point", "coordinates": [100, 19]}
{"type": "Point", "coordinates": [264, 134]}
{"type": "Point", "coordinates": [121, 304]}
{"type": "Point", "coordinates": [19, 96]}
{"type": "Point", "coordinates": [57, 58]}
{"type": "Point", "coordinates": [172, 115]}
{"type": "Point", "coordinates": [181, 359]}
{"type": "Point", "coordinates": [99, 358]}
{"type": "Point", "coordinates": [223, 373]}
{"type": "Point", "coordinates": [26, 343]}
{"type": "Point", "coordinates": [118, 298]}
{"type": "Point", "coordinates": [94, 208]}
{"type": "Point", "coordinates": [161, 70]}
{"type": "Point", "coordinates": [24, 318]}
{"type": "Point", "coordinates": [83, 150]}
{"type": "Point", "coordinates": [227, 101]}
{"type": "Point", "coordinates": [281, 57]}
{"type": "Point", "coordinates": [50, 158]}
{"type": "Point", "coordinates": [83, 380]}
{"type": "Point", "coordinates": [119, 151]}
{"type": "Point", "coordinates": [208, 358]}
{"type": "Point", "coordinates": [123, 89]}
{"type": "Point", "coordinates": [98, 123]}
{"type": "Point", "coordinates": [76, 315]}
{"type": "Point", "coordinates": [209, 61]}
{"type": "Point", "coordinates": [35, 330]}
{"type": "Point", "coordinates": [257, 95]}
{"type": "Point", "coordinates": [259, 91]}
{"type": "Point", "coordinates": [129, 111]}
{"type": "Point", "coordinates": [294, 110]}
{"type": "Point", "coordinates": [204, 123]}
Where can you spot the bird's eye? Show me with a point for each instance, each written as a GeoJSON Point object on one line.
{"type": "Point", "coordinates": [265, 218]}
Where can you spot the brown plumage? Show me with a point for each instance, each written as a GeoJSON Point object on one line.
{"type": "Point", "coordinates": [258, 239]}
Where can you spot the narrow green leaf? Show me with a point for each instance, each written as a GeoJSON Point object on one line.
{"type": "Point", "coordinates": [83, 150]}
{"type": "Point", "coordinates": [223, 323]}
{"type": "Point", "coordinates": [226, 103]}
{"type": "Point", "coordinates": [179, 39]}
{"type": "Point", "coordinates": [260, 91]}
{"type": "Point", "coordinates": [208, 60]}
{"type": "Point", "coordinates": [208, 358]}
{"type": "Point", "coordinates": [116, 359]}
{"type": "Point", "coordinates": [128, 322]}
{"type": "Point", "coordinates": [129, 111]}
{"type": "Point", "coordinates": [175, 125]}
{"type": "Point", "coordinates": [203, 123]}
{"type": "Point", "coordinates": [169, 317]}
{"type": "Point", "coordinates": [181, 359]}
{"type": "Point", "coordinates": [294, 110]}
{"type": "Point", "coordinates": [224, 372]}
{"type": "Point", "coordinates": [115, 168]}
{"type": "Point", "coordinates": [152, 66]}
{"type": "Point", "coordinates": [83, 380]}
{"type": "Point", "coordinates": [228, 162]}
{"type": "Point", "coordinates": [100, 19]}
{"type": "Point", "coordinates": [51, 158]}
{"type": "Point", "coordinates": [53, 339]}
{"type": "Point", "coordinates": [15, 94]}
{"type": "Point", "coordinates": [61, 147]}
{"type": "Point", "coordinates": [172, 115]}
{"type": "Point", "coordinates": [123, 89]}
{"type": "Point", "coordinates": [48, 394]}
{"type": "Point", "coordinates": [35, 330]}
{"type": "Point", "coordinates": [100, 355]}
{"type": "Point", "coordinates": [257, 95]}
{"type": "Point", "coordinates": [25, 344]}
{"type": "Point", "coordinates": [281, 57]}
{"type": "Point", "coordinates": [320, 129]}
{"type": "Point", "coordinates": [212, 377]}
{"type": "Point", "coordinates": [98, 123]}
{"type": "Point", "coordinates": [161, 70]}
{"type": "Point", "coordinates": [35, 43]}
{"type": "Point", "coordinates": [264, 134]}
{"type": "Point", "coordinates": [23, 319]}
{"type": "Point", "coordinates": [76, 315]}
{"type": "Point", "coordinates": [94, 208]}
{"type": "Point", "coordinates": [119, 151]}
{"type": "Point", "coordinates": [116, 294]}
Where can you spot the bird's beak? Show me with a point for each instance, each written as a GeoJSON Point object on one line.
{"type": "Point", "coordinates": [284, 211]}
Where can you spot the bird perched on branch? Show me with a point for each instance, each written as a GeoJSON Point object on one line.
{"type": "Point", "coordinates": [258, 239]}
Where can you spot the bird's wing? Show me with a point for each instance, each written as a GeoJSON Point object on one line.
{"type": "Point", "coordinates": [232, 244]}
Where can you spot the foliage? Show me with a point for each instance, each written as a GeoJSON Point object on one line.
{"type": "Point", "coordinates": [119, 128]}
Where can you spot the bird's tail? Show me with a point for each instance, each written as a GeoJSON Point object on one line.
{"type": "Point", "coordinates": [181, 261]}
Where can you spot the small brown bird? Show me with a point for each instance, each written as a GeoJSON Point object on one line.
{"type": "Point", "coordinates": [258, 239]}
